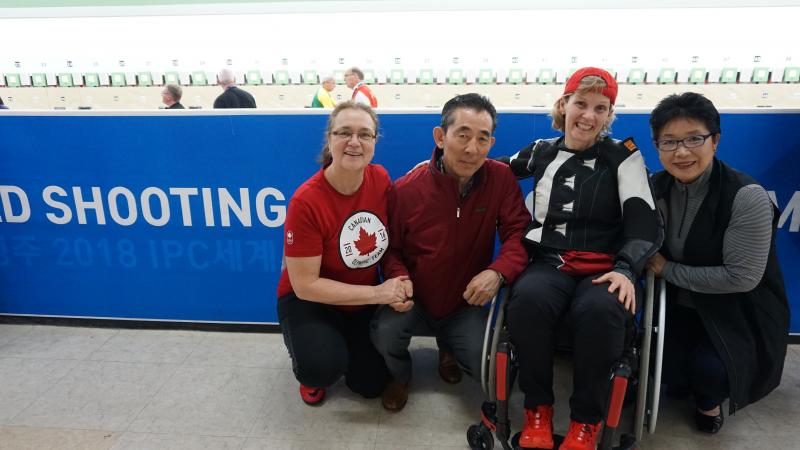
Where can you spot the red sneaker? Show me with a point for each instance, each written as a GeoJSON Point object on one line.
{"type": "Point", "coordinates": [538, 429]}
{"type": "Point", "coordinates": [312, 396]}
{"type": "Point", "coordinates": [581, 436]}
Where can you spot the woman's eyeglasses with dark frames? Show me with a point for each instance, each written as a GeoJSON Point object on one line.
{"type": "Point", "coordinates": [689, 142]}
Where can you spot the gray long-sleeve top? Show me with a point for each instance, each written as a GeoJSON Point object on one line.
{"type": "Point", "coordinates": [745, 246]}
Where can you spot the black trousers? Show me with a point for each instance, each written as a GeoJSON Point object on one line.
{"type": "Point", "coordinates": [541, 297]}
{"type": "Point", "coordinates": [691, 363]}
{"type": "Point", "coordinates": [326, 343]}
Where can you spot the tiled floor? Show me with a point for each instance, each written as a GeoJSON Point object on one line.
{"type": "Point", "coordinates": [90, 388]}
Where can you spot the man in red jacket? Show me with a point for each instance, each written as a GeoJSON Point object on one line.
{"type": "Point", "coordinates": [443, 219]}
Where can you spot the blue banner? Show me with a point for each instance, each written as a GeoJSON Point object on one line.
{"type": "Point", "coordinates": [179, 217]}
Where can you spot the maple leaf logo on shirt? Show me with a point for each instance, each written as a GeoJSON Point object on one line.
{"type": "Point", "coordinates": [365, 242]}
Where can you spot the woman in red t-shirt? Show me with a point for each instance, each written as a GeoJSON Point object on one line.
{"type": "Point", "coordinates": [334, 237]}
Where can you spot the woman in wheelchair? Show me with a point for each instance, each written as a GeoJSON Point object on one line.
{"type": "Point", "coordinates": [726, 303]}
{"type": "Point", "coordinates": [594, 227]}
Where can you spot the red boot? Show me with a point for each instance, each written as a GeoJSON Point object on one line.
{"type": "Point", "coordinates": [312, 396]}
{"type": "Point", "coordinates": [581, 436]}
{"type": "Point", "coordinates": [538, 429]}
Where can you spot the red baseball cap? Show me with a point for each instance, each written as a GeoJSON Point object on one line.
{"type": "Point", "coordinates": [574, 81]}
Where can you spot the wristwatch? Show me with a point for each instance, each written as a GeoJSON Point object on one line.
{"type": "Point", "coordinates": [501, 277]}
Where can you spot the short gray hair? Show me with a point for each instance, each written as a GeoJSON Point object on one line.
{"type": "Point", "coordinates": [226, 76]}
{"type": "Point", "coordinates": [175, 91]}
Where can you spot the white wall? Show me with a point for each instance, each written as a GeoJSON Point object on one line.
{"type": "Point", "coordinates": [326, 41]}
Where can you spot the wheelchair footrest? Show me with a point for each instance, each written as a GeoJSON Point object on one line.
{"type": "Point", "coordinates": [626, 442]}
{"type": "Point", "coordinates": [557, 440]}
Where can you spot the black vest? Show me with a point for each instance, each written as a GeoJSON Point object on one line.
{"type": "Point", "coordinates": [749, 330]}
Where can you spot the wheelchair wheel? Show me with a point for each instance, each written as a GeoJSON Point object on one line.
{"type": "Point", "coordinates": [480, 438]}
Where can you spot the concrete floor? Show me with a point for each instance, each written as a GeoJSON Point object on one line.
{"type": "Point", "coordinates": [95, 388]}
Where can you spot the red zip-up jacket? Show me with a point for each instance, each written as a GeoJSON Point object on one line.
{"type": "Point", "coordinates": [442, 241]}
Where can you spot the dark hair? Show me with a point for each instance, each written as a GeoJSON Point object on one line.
{"type": "Point", "coordinates": [175, 91]}
{"type": "Point", "coordinates": [1, 101]}
{"type": "Point", "coordinates": [325, 155]}
{"type": "Point", "coordinates": [473, 101]}
{"type": "Point", "coordinates": [689, 105]}
{"type": "Point", "coordinates": [357, 72]}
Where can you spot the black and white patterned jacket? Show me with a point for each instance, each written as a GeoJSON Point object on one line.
{"type": "Point", "coordinates": [596, 200]}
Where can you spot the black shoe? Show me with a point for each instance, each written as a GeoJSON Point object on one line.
{"type": "Point", "coordinates": [709, 424]}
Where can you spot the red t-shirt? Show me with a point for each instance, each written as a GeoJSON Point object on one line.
{"type": "Point", "coordinates": [349, 231]}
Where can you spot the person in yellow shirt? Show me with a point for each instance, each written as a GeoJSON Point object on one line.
{"type": "Point", "coordinates": [323, 99]}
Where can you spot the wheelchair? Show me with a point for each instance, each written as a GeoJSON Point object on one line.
{"type": "Point", "coordinates": [499, 371]}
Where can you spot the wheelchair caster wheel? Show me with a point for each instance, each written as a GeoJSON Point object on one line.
{"type": "Point", "coordinates": [480, 438]}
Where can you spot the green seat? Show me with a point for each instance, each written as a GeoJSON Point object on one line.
{"type": "Point", "coordinates": [369, 76]}
{"type": "Point", "coordinates": [486, 76]}
{"type": "Point", "coordinates": [310, 77]}
{"type": "Point", "coordinates": [338, 75]}
{"type": "Point", "coordinates": [698, 75]}
{"type": "Point", "coordinates": [65, 80]}
{"type": "Point", "coordinates": [253, 78]}
{"type": "Point", "coordinates": [760, 75]}
{"type": "Point", "coordinates": [282, 77]}
{"type": "Point", "coordinates": [546, 76]}
{"type": "Point", "coordinates": [637, 76]}
{"type": "Point", "coordinates": [397, 76]}
{"type": "Point", "coordinates": [172, 78]}
{"type": "Point", "coordinates": [667, 75]}
{"type": "Point", "coordinates": [118, 79]}
{"type": "Point", "coordinates": [39, 80]}
{"type": "Point", "coordinates": [729, 75]}
{"type": "Point", "coordinates": [13, 80]}
{"type": "Point", "coordinates": [144, 79]}
{"type": "Point", "coordinates": [456, 76]}
{"type": "Point", "coordinates": [515, 76]}
{"type": "Point", "coordinates": [199, 78]}
{"type": "Point", "coordinates": [790, 75]}
{"type": "Point", "coordinates": [425, 76]}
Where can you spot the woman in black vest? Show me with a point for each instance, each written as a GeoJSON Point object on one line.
{"type": "Point", "coordinates": [727, 308]}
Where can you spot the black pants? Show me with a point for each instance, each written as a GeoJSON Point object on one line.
{"type": "Point", "coordinates": [326, 343]}
{"type": "Point", "coordinates": [541, 297]}
{"type": "Point", "coordinates": [691, 363]}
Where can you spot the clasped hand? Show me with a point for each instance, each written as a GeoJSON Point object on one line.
{"type": "Point", "coordinates": [396, 292]}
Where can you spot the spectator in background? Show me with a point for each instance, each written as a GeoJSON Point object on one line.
{"type": "Point", "coordinates": [354, 78]}
{"type": "Point", "coordinates": [323, 99]}
{"type": "Point", "coordinates": [233, 97]}
{"type": "Point", "coordinates": [2, 105]}
{"type": "Point", "coordinates": [171, 96]}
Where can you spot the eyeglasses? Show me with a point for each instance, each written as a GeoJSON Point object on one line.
{"type": "Point", "coordinates": [346, 135]}
{"type": "Point", "coordinates": [694, 141]}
